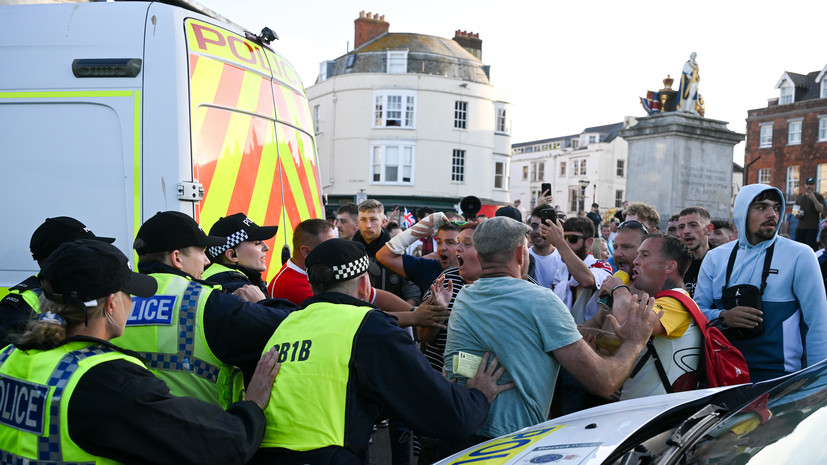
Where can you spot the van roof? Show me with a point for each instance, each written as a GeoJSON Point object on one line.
{"type": "Point", "coordinates": [195, 7]}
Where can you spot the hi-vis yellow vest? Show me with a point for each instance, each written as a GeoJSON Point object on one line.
{"type": "Point", "coordinates": [29, 290]}
{"type": "Point", "coordinates": [35, 388]}
{"type": "Point", "coordinates": [216, 268]}
{"type": "Point", "coordinates": [167, 329]}
{"type": "Point", "coordinates": [307, 404]}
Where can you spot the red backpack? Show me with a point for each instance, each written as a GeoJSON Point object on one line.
{"type": "Point", "coordinates": [723, 364]}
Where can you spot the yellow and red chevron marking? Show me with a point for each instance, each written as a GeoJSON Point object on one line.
{"type": "Point", "coordinates": [246, 161]}
{"type": "Point", "coordinates": [292, 108]}
{"type": "Point", "coordinates": [298, 170]}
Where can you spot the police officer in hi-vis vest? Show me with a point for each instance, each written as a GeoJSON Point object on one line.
{"type": "Point", "coordinates": [346, 365]}
{"type": "Point", "coordinates": [70, 396]}
{"type": "Point", "coordinates": [240, 260]}
{"type": "Point", "coordinates": [21, 303]}
{"type": "Point", "coordinates": [195, 337]}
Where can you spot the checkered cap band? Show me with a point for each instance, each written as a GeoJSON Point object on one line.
{"type": "Point", "coordinates": [232, 240]}
{"type": "Point", "coordinates": [349, 270]}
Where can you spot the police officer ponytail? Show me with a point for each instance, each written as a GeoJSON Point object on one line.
{"type": "Point", "coordinates": [49, 329]}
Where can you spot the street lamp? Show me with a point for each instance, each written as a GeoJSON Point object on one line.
{"type": "Point", "coordinates": [584, 183]}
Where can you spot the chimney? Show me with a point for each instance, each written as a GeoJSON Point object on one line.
{"type": "Point", "coordinates": [368, 27]}
{"type": "Point", "coordinates": [469, 41]}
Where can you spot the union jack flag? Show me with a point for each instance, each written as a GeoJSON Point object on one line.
{"type": "Point", "coordinates": [407, 219]}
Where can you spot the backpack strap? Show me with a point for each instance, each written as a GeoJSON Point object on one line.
{"type": "Point", "coordinates": [730, 264]}
{"type": "Point", "coordinates": [700, 320]}
{"type": "Point", "coordinates": [642, 361]}
{"type": "Point", "coordinates": [661, 371]}
{"type": "Point", "coordinates": [651, 352]}
{"type": "Point", "coordinates": [766, 273]}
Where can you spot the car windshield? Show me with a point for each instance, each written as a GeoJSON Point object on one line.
{"type": "Point", "coordinates": [784, 425]}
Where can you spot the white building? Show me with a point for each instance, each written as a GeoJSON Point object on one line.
{"type": "Point", "coordinates": [411, 120]}
{"type": "Point", "coordinates": [594, 159]}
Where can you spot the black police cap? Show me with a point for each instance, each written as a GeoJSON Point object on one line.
{"type": "Point", "coordinates": [55, 231]}
{"type": "Point", "coordinates": [81, 271]}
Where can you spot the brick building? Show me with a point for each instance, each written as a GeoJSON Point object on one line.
{"type": "Point", "coordinates": [787, 140]}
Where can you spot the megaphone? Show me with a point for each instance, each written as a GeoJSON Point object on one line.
{"type": "Point", "coordinates": [470, 206]}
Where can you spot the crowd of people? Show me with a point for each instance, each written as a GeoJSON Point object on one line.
{"type": "Point", "coordinates": [450, 332]}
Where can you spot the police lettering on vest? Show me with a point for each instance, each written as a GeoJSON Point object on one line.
{"type": "Point", "coordinates": [298, 351]}
{"type": "Point", "coordinates": [22, 404]}
{"type": "Point", "coordinates": [155, 310]}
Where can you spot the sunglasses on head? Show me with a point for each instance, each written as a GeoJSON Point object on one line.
{"type": "Point", "coordinates": [634, 224]}
{"type": "Point", "coordinates": [573, 238]}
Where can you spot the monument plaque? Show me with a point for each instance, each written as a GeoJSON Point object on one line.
{"type": "Point", "coordinates": [678, 160]}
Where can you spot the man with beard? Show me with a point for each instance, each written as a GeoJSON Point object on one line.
{"type": "Point", "coordinates": [694, 227]}
{"type": "Point", "coordinates": [794, 306]}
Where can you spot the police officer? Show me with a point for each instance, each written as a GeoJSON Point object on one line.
{"type": "Point", "coordinates": [240, 260]}
{"type": "Point", "coordinates": [194, 336]}
{"type": "Point", "coordinates": [85, 400]}
{"type": "Point", "coordinates": [357, 365]}
{"type": "Point", "coordinates": [21, 303]}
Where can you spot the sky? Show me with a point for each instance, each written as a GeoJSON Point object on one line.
{"type": "Point", "coordinates": [575, 64]}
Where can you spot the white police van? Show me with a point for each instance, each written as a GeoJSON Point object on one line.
{"type": "Point", "coordinates": [774, 422]}
{"type": "Point", "coordinates": [113, 111]}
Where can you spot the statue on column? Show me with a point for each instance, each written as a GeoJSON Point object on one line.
{"type": "Point", "coordinates": [688, 90]}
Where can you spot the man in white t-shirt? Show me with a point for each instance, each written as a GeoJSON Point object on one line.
{"type": "Point", "coordinates": [546, 258]}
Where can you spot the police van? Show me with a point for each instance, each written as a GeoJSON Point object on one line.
{"type": "Point", "coordinates": [113, 111]}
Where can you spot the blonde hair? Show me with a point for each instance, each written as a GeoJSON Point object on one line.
{"type": "Point", "coordinates": [595, 248]}
{"type": "Point", "coordinates": [48, 333]}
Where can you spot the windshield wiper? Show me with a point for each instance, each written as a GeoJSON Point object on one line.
{"type": "Point", "coordinates": [689, 431]}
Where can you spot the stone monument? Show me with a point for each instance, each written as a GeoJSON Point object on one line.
{"type": "Point", "coordinates": [679, 159]}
